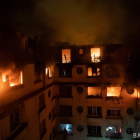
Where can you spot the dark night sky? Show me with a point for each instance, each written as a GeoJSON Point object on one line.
{"type": "Point", "coordinates": [75, 21]}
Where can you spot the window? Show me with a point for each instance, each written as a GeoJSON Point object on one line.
{"type": "Point", "coordinates": [42, 128]}
{"type": "Point", "coordinates": [113, 91]}
{"type": "Point", "coordinates": [66, 56]}
{"type": "Point", "coordinates": [65, 110]}
{"type": "Point", "coordinates": [81, 51]}
{"type": "Point", "coordinates": [53, 113]}
{"type": "Point", "coordinates": [67, 126]}
{"type": "Point", "coordinates": [49, 93]}
{"type": "Point", "coordinates": [65, 91]}
{"type": "Point", "coordinates": [50, 72]}
{"type": "Point", "coordinates": [65, 71]}
{"type": "Point", "coordinates": [79, 70]}
{"type": "Point", "coordinates": [113, 113]}
{"type": "Point", "coordinates": [14, 119]}
{"type": "Point", "coordinates": [95, 55]}
{"type": "Point", "coordinates": [94, 111]}
{"type": "Point", "coordinates": [94, 130]}
{"type": "Point", "coordinates": [94, 91]}
{"type": "Point", "coordinates": [113, 132]}
{"type": "Point", "coordinates": [41, 102]}
{"type": "Point", "coordinates": [93, 71]}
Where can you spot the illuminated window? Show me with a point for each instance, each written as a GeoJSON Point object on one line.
{"type": "Point", "coordinates": [50, 72]}
{"type": "Point", "coordinates": [68, 128]}
{"type": "Point", "coordinates": [113, 113]}
{"type": "Point", "coordinates": [113, 91]}
{"type": "Point", "coordinates": [46, 71]}
{"type": "Point", "coordinates": [94, 111]}
{"type": "Point", "coordinates": [80, 51]}
{"type": "Point", "coordinates": [93, 71]}
{"type": "Point", "coordinates": [94, 130]}
{"type": "Point", "coordinates": [14, 119]}
{"type": "Point", "coordinates": [113, 132]}
{"type": "Point", "coordinates": [65, 110]}
{"type": "Point", "coordinates": [95, 55]}
{"type": "Point", "coordinates": [42, 128]}
{"type": "Point", "coordinates": [94, 91]}
{"type": "Point", "coordinates": [66, 56]}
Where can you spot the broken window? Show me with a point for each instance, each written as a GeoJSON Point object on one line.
{"type": "Point", "coordinates": [81, 51]}
{"type": "Point", "coordinates": [113, 132]}
{"type": "Point", "coordinates": [113, 113]}
{"type": "Point", "coordinates": [65, 91]}
{"type": "Point", "coordinates": [113, 91]}
{"type": "Point", "coordinates": [94, 91]}
{"type": "Point", "coordinates": [65, 110]}
{"type": "Point", "coordinates": [95, 55]}
{"type": "Point", "coordinates": [93, 71]}
{"type": "Point", "coordinates": [11, 79]}
{"type": "Point", "coordinates": [66, 56]}
{"type": "Point", "coordinates": [14, 119]}
{"type": "Point", "coordinates": [94, 130]}
{"type": "Point", "coordinates": [68, 127]}
{"type": "Point", "coordinates": [42, 128]}
{"type": "Point", "coordinates": [94, 111]}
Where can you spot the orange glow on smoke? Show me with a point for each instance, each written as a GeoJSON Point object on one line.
{"type": "Point", "coordinates": [113, 91]}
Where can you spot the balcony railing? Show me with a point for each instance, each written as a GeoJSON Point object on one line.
{"type": "Point", "coordinates": [66, 60]}
{"type": "Point", "coordinates": [95, 59]}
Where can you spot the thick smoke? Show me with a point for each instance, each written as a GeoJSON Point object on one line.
{"type": "Point", "coordinates": [75, 21]}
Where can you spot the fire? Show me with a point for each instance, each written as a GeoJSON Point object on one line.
{"type": "Point", "coordinates": [113, 91]}
{"type": "Point", "coordinates": [95, 55]}
{"type": "Point", "coordinates": [46, 71]}
{"type": "Point", "coordinates": [10, 79]}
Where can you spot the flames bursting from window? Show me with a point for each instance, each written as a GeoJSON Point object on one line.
{"type": "Point", "coordinates": [9, 78]}
{"type": "Point", "coordinates": [95, 55]}
{"type": "Point", "coordinates": [113, 91]}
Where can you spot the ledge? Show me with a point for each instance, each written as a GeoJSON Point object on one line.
{"type": "Point", "coordinates": [18, 131]}
{"type": "Point", "coordinates": [110, 97]}
{"type": "Point", "coordinates": [94, 135]}
{"type": "Point", "coordinates": [94, 117]}
{"type": "Point", "coordinates": [94, 76]}
{"type": "Point", "coordinates": [115, 118]}
{"type": "Point", "coordinates": [41, 109]}
{"type": "Point", "coordinates": [65, 96]}
{"type": "Point", "coordinates": [65, 77]}
{"type": "Point", "coordinates": [38, 81]}
{"type": "Point", "coordinates": [99, 97]}
{"type": "Point", "coordinates": [65, 115]}
{"type": "Point", "coordinates": [114, 137]}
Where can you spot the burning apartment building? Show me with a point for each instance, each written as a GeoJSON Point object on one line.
{"type": "Point", "coordinates": [86, 91]}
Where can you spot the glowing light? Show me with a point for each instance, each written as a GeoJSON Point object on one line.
{"type": "Point", "coordinates": [4, 78]}
{"type": "Point", "coordinates": [66, 56]}
{"type": "Point", "coordinates": [113, 91]}
{"type": "Point", "coordinates": [11, 85]}
{"type": "Point", "coordinates": [46, 71]}
{"type": "Point", "coordinates": [21, 78]}
{"type": "Point", "coordinates": [95, 54]}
